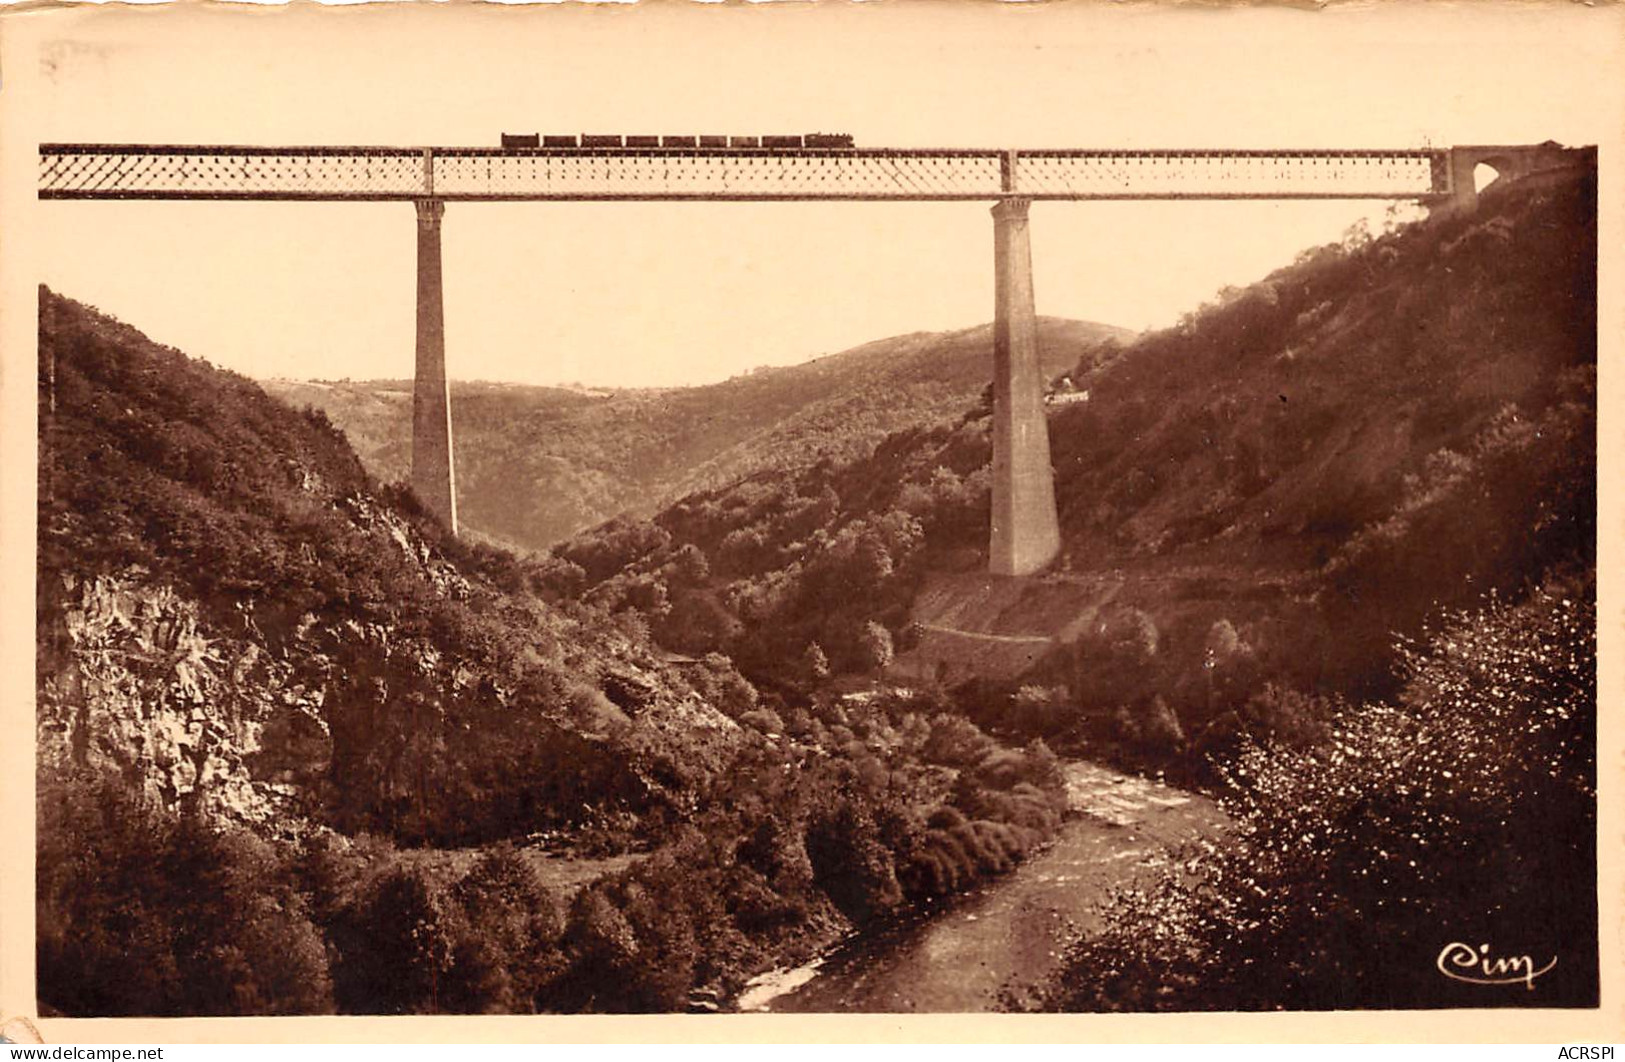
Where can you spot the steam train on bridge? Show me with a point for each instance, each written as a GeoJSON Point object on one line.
{"type": "Point", "coordinates": [596, 140]}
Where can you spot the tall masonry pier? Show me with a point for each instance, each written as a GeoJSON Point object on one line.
{"type": "Point", "coordinates": [432, 475]}
{"type": "Point", "coordinates": [1025, 535]}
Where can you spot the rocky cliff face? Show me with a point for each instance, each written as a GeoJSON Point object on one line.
{"type": "Point", "coordinates": [131, 678]}
{"type": "Point", "coordinates": [134, 677]}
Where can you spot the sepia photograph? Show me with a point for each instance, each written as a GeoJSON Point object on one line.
{"type": "Point", "coordinates": [961, 509]}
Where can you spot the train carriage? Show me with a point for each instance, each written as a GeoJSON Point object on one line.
{"type": "Point", "coordinates": [770, 142]}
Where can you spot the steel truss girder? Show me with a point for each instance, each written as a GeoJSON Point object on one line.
{"type": "Point", "coordinates": [151, 171]}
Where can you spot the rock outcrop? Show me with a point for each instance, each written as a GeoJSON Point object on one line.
{"type": "Point", "coordinates": [133, 679]}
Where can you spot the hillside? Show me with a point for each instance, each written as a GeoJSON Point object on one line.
{"type": "Point", "coordinates": [1253, 503]}
{"type": "Point", "coordinates": [340, 657]}
{"type": "Point", "coordinates": [578, 458]}
{"type": "Point", "coordinates": [300, 750]}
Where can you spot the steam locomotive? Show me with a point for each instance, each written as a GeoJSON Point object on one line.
{"type": "Point", "coordinates": [596, 140]}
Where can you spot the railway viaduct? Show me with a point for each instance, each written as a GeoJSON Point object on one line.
{"type": "Point", "coordinates": [1024, 536]}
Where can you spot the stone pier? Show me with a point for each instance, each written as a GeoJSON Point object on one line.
{"type": "Point", "coordinates": [1025, 535]}
{"type": "Point", "coordinates": [432, 476]}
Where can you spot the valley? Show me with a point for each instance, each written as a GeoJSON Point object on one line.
{"type": "Point", "coordinates": [579, 456]}
{"type": "Point", "coordinates": [718, 686]}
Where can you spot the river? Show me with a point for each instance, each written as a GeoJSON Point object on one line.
{"type": "Point", "coordinates": [1005, 938]}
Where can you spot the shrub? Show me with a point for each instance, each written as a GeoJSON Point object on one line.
{"type": "Point", "coordinates": [1041, 710]}
{"type": "Point", "coordinates": [875, 647]}
{"type": "Point", "coordinates": [763, 719]}
{"type": "Point", "coordinates": [605, 951]}
{"type": "Point", "coordinates": [508, 955]}
{"type": "Point", "coordinates": [956, 742]}
{"type": "Point", "coordinates": [1159, 726]}
{"type": "Point", "coordinates": [397, 945]}
{"type": "Point", "coordinates": [1288, 716]}
{"type": "Point", "coordinates": [850, 863]}
{"type": "Point", "coordinates": [720, 683]}
{"type": "Point", "coordinates": [1148, 726]}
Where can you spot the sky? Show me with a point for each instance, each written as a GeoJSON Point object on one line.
{"type": "Point", "coordinates": [662, 294]}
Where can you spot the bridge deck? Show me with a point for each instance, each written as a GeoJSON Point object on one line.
{"type": "Point", "coordinates": [149, 171]}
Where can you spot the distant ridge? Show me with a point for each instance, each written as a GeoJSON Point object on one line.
{"type": "Point", "coordinates": [536, 464]}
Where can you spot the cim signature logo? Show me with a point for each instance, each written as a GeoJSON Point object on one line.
{"type": "Point", "coordinates": [1476, 966]}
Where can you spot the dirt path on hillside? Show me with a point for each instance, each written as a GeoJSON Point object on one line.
{"type": "Point", "coordinates": [1007, 639]}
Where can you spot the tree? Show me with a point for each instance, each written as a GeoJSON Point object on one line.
{"type": "Point", "coordinates": [815, 665]}
{"type": "Point", "coordinates": [397, 945]}
{"type": "Point", "coordinates": [509, 953]}
{"type": "Point", "coordinates": [876, 646]}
